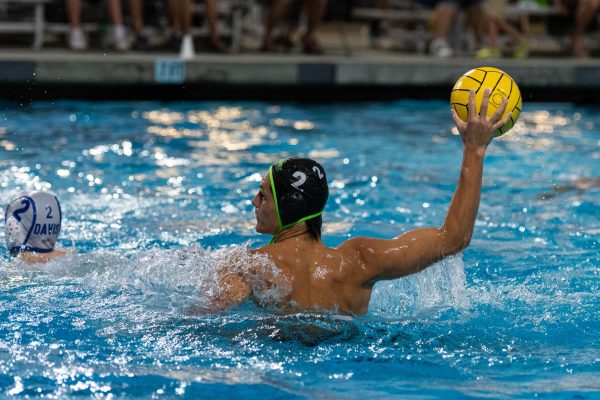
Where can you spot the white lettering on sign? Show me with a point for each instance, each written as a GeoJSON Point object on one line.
{"type": "Point", "coordinates": [169, 70]}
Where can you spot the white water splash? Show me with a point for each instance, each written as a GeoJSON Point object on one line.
{"type": "Point", "coordinates": [441, 285]}
{"type": "Point", "coordinates": [173, 281]}
{"type": "Point", "coordinates": [189, 277]}
{"type": "Point", "coordinates": [167, 282]}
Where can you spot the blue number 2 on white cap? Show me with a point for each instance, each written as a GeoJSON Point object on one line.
{"type": "Point", "coordinates": [17, 213]}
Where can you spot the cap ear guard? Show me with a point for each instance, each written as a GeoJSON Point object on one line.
{"type": "Point", "coordinates": [15, 235]}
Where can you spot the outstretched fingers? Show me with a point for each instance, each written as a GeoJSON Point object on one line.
{"type": "Point", "coordinates": [460, 124]}
{"type": "Point", "coordinates": [471, 107]}
{"type": "Point", "coordinates": [502, 122]}
{"type": "Point", "coordinates": [484, 103]}
{"type": "Point", "coordinates": [499, 112]}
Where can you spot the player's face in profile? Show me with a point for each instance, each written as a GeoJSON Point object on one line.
{"type": "Point", "coordinates": [264, 208]}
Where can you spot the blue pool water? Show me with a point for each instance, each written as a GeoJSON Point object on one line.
{"type": "Point", "coordinates": [155, 194]}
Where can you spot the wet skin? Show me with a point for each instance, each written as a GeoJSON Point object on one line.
{"type": "Point", "coordinates": [341, 279]}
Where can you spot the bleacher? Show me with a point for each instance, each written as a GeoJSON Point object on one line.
{"type": "Point", "coordinates": [35, 23]}
{"type": "Point", "coordinates": [30, 17]}
{"type": "Point", "coordinates": [405, 22]}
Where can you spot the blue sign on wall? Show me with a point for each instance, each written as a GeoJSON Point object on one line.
{"type": "Point", "coordinates": [169, 70]}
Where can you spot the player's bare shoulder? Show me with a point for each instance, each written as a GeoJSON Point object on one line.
{"type": "Point", "coordinates": [355, 256]}
{"type": "Point", "coordinates": [356, 248]}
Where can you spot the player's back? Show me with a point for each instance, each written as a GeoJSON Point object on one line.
{"type": "Point", "coordinates": [321, 277]}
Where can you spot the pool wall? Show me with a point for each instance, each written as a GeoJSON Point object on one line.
{"type": "Point", "coordinates": [61, 74]}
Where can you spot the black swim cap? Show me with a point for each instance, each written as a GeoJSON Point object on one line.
{"type": "Point", "coordinates": [299, 187]}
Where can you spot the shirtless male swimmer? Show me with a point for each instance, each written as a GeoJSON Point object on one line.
{"type": "Point", "coordinates": [32, 223]}
{"type": "Point", "coordinates": [289, 203]}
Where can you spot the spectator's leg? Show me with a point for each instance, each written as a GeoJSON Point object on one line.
{"type": "Point", "coordinates": [74, 13]}
{"type": "Point", "coordinates": [292, 21]}
{"type": "Point", "coordinates": [212, 19]}
{"type": "Point", "coordinates": [77, 39]}
{"type": "Point", "coordinates": [114, 9]}
{"type": "Point", "coordinates": [521, 47]}
{"type": "Point", "coordinates": [175, 17]}
{"type": "Point", "coordinates": [445, 14]}
{"type": "Point", "coordinates": [185, 12]}
{"type": "Point", "coordinates": [137, 14]}
{"type": "Point", "coordinates": [511, 31]}
{"type": "Point", "coordinates": [116, 16]}
{"type": "Point", "coordinates": [314, 14]}
{"type": "Point", "coordinates": [277, 11]}
{"type": "Point", "coordinates": [479, 21]}
{"type": "Point", "coordinates": [494, 32]}
{"type": "Point", "coordinates": [494, 47]}
{"type": "Point", "coordinates": [586, 11]}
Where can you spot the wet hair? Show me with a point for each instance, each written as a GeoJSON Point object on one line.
{"type": "Point", "coordinates": [314, 227]}
{"type": "Point", "coordinates": [300, 190]}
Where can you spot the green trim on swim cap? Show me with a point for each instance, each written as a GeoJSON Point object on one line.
{"type": "Point", "coordinates": [274, 238]}
{"type": "Point", "coordinates": [302, 220]}
{"type": "Point", "coordinates": [279, 164]}
{"type": "Point", "coordinates": [279, 223]}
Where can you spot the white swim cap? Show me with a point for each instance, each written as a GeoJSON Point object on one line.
{"type": "Point", "coordinates": [32, 223]}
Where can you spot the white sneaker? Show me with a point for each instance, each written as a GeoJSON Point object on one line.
{"type": "Point", "coordinates": [439, 48]}
{"type": "Point", "coordinates": [77, 39]}
{"type": "Point", "coordinates": [187, 48]}
{"type": "Point", "coordinates": [120, 38]}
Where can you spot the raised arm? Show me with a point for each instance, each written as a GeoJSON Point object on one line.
{"type": "Point", "coordinates": [418, 249]}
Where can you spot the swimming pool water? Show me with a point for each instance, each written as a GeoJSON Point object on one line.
{"type": "Point", "coordinates": [154, 194]}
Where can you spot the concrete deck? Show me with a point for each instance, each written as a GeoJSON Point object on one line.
{"type": "Point", "coordinates": [366, 74]}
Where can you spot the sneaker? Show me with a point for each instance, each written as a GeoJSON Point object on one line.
{"type": "Point", "coordinates": [120, 38]}
{"type": "Point", "coordinates": [187, 48]}
{"type": "Point", "coordinates": [285, 41]}
{"type": "Point", "coordinates": [174, 43]}
{"type": "Point", "coordinates": [77, 39]}
{"type": "Point", "coordinates": [521, 51]}
{"type": "Point", "coordinates": [218, 46]}
{"type": "Point", "coordinates": [439, 48]}
{"type": "Point", "coordinates": [488, 52]}
{"type": "Point", "coordinates": [311, 46]}
{"type": "Point", "coordinates": [140, 43]}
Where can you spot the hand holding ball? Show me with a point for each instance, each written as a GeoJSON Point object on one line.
{"type": "Point", "coordinates": [501, 86]}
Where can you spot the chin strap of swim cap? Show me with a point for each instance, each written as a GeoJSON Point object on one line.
{"type": "Point", "coordinates": [279, 223]}
{"type": "Point", "coordinates": [274, 191]}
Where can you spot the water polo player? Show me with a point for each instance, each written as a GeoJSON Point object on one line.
{"type": "Point", "coordinates": [32, 224]}
{"type": "Point", "coordinates": [289, 204]}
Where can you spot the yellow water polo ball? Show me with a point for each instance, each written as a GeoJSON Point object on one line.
{"type": "Point", "coordinates": [501, 86]}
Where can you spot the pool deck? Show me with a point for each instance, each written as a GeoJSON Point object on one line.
{"type": "Point", "coordinates": [365, 75]}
